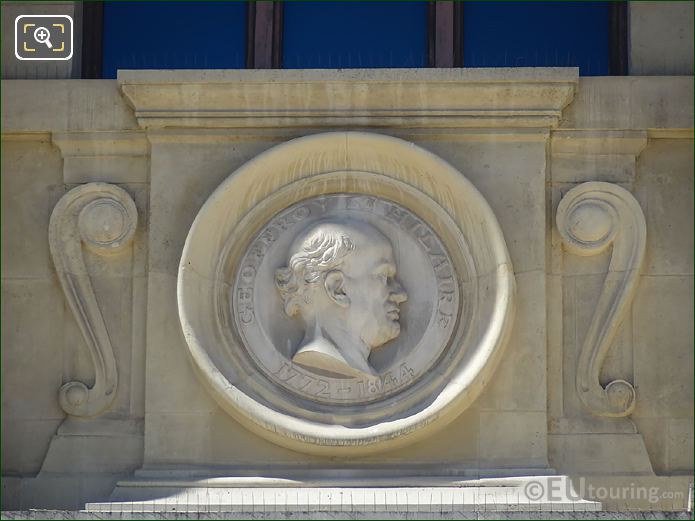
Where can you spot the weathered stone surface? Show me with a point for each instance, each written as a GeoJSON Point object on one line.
{"type": "Point", "coordinates": [170, 138]}
{"type": "Point", "coordinates": [515, 196]}
{"type": "Point", "coordinates": [29, 390]}
{"type": "Point", "coordinates": [501, 445]}
{"type": "Point", "coordinates": [525, 358]}
{"type": "Point", "coordinates": [60, 105]}
{"type": "Point", "coordinates": [107, 156]}
{"type": "Point", "coordinates": [590, 454]}
{"type": "Point", "coordinates": [664, 188]}
{"type": "Point", "coordinates": [662, 315]}
{"type": "Point", "coordinates": [632, 102]}
{"type": "Point", "coordinates": [31, 185]}
{"type": "Point", "coordinates": [660, 37]}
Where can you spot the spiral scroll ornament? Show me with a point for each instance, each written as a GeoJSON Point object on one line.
{"type": "Point", "coordinates": [102, 217]}
{"type": "Point", "coordinates": [590, 218]}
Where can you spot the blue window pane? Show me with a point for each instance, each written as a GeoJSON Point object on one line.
{"type": "Point", "coordinates": [537, 34]}
{"type": "Point", "coordinates": [173, 35]}
{"type": "Point", "coordinates": [354, 34]}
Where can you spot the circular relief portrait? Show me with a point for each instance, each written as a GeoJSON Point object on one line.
{"type": "Point", "coordinates": [345, 293]}
{"type": "Point", "coordinates": [345, 298]}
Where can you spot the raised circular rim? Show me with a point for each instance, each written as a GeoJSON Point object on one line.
{"type": "Point", "coordinates": [305, 158]}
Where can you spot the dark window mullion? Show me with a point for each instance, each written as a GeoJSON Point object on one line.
{"type": "Point", "coordinates": [431, 31]}
{"type": "Point", "coordinates": [458, 34]}
{"type": "Point", "coordinates": [441, 34]}
{"type": "Point", "coordinates": [263, 37]}
{"type": "Point", "coordinates": [277, 35]}
{"type": "Point", "coordinates": [92, 39]}
{"type": "Point", "coordinates": [264, 43]}
{"type": "Point", "coordinates": [444, 37]}
{"type": "Point", "coordinates": [250, 33]}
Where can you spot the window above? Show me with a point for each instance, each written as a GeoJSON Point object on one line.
{"type": "Point", "coordinates": [173, 35]}
{"type": "Point", "coordinates": [537, 34]}
{"type": "Point", "coordinates": [354, 34]}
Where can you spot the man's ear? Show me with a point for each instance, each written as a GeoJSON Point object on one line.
{"type": "Point", "coordinates": [335, 289]}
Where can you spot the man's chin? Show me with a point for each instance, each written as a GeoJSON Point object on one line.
{"type": "Point", "coordinates": [387, 334]}
{"type": "Point", "coordinates": [394, 331]}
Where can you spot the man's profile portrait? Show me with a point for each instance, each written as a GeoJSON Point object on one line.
{"type": "Point", "coordinates": [340, 280]}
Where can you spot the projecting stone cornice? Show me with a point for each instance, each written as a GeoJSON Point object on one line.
{"type": "Point", "coordinates": [434, 98]}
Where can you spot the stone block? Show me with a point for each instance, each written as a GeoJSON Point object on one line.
{"type": "Point", "coordinates": [11, 492]}
{"type": "Point", "coordinates": [32, 352]}
{"type": "Point", "coordinates": [60, 105]}
{"type": "Point", "coordinates": [97, 485]}
{"type": "Point", "coordinates": [556, 254]}
{"type": "Point", "coordinates": [171, 385]}
{"type": "Point", "coordinates": [661, 36]}
{"type": "Point", "coordinates": [138, 347]}
{"type": "Point", "coordinates": [641, 497]}
{"type": "Point", "coordinates": [579, 156]}
{"type": "Point", "coordinates": [513, 439]}
{"type": "Point", "coordinates": [32, 180]}
{"type": "Point", "coordinates": [584, 454]}
{"type": "Point", "coordinates": [24, 443]}
{"type": "Point", "coordinates": [105, 156]}
{"type": "Point", "coordinates": [655, 432]}
{"type": "Point", "coordinates": [456, 444]}
{"type": "Point", "coordinates": [631, 102]}
{"type": "Point", "coordinates": [517, 197]}
{"type": "Point", "coordinates": [680, 445]}
{"type": "Point", "coordinates": [212, 439]}
{"type": "Point", "coordinates": [54, 492]}
{"type": "Point", "coordinates": [220, 440]}
{"type": "Point", "coordinates": [524, 360]}
{"type": "Point", "coordinates": [610, 168]}
{"type": "Point", "coordinates": [176, 438]}
{"type": "Point", "coordinates": [248, 449]}
{"type": "Point", "coordinates": [664, 188]}
{"type": "Point", "coordinates": [555, 370]}
{"type": "Point", "coordinates": [662, 318]}
{"type": "Point", "coordinates": [183, 176]}
{"type": "Point", "coordinates": [94, 454]}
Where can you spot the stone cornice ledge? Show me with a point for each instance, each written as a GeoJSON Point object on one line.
{"type": "Point", "coordinates": [435, 98]}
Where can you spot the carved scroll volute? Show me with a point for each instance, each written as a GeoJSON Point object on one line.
{"type": "Point", "coordinates": [103, 217]}
{"type": "Point", "coordinates": [590, 218]}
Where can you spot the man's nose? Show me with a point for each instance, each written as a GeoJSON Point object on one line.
{"type": "Point", "coordinates": [397, 294]}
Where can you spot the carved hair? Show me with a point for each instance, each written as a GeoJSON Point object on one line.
{"type": "Point", "coordinates": [319, 252]}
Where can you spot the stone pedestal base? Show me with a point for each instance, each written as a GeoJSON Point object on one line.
{"type": "Point", "coordinates": [243, 494]}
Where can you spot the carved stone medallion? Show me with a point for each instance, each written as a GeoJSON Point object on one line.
{"type": "Point", "coordinates": [345, 298]}
{"type": "Point", "coordinates": [345, 293]}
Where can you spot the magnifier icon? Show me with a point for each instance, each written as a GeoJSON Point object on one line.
{"type": "Point", "coordinates": [42, 35]}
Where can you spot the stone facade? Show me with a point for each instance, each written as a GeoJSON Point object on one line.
{"type": "Point", "coordinates": [589, 179]}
